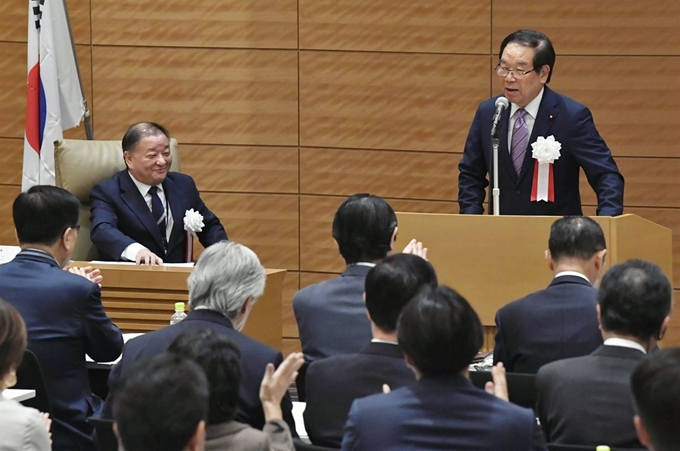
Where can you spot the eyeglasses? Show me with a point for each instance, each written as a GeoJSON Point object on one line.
{"type": "Point", "coordinates": [504, 71]}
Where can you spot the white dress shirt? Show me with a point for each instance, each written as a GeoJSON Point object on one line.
{"type": "Point", "coordinates": [624, 344]}
{"type": "Point", "coordinates": [529, 118]}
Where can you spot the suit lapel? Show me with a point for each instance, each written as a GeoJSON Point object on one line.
{"type": "Point", "coordinates": [178, 207]}
{"type": "Point", "coordinates": [547, 112]}
{"type": "Point", "coordinates": [136, 203]}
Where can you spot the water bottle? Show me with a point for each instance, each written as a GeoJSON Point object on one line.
{"type": "Point", "coordinates": [179, 314]}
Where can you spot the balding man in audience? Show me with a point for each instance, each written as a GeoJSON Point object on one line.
{"type": "Point", "coordinates": [223, 287]}
{"type": "Point", "coordinates": [587, 400]}
{"type": "Point", "coordinates": [334, 383]}
{"type": "Point", "coordinates": [440, 333]}
{"type": "Point", "coordinates": [331, 315]}
{"type": "Point", "coordinates": [657, 396]}
{"type": "Point", "coordinates": [560, 321]}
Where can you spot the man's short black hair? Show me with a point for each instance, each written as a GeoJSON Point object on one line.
{"type": "Point", "coordinates": [43, 213]}
{"type": "Point", "coordinates": [634, 298]}
{"type": "Point", "coordinates": [139, 131]}
{"type": "Point", "coordinates": [439, 331]}
{"type": "Point", "coordinates": [363, 227]}
{"type": "Point", "coordinates": [544, 53]}
{"type": "Point", "coordinates": [220, 359]}
{"type": "Point", "coordinates": [575, 237]}
{"type": "Point", "coordinates": [392, 283]}
{"type": "Point", "coordinates": [160, 402]}
{"type": "Point", "coordinates": [656, 390]}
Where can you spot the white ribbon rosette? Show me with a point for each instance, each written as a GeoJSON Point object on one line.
{"type": "Point", "coordinates": [193, 224]}
{"type": "Point", "coordinates": [545, 151]}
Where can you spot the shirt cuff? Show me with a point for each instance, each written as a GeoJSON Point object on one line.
{"type": "Point", "coordinates": [130, 252]}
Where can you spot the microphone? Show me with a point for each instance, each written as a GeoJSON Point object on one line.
{"type": "Point", "coordinates": [501, 104]}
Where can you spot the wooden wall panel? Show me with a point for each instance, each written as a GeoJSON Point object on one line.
{"type": "Point", "coordinates": [199, 23]}
{"type": "Point", "coordinates": [389, 101]}
{"type": "Point", "coordinates": [410, 175]}
{"type": "Point", "coordinates": [318, 251]}
{"type": "Point", "coordinates": [14, 20]}
{"type": "Point", "coordinates": [604, 27]}
{"type": "Point", "coordinates": [268, 224]}
{"type": "Point", "coordinates": [11, 161]}
{"type": "Point", "coordinates": [242, 169]}
{"type": "Point", "coordinates": [12, 89]}
{"type": "Point", "coordinates": [7, 195]}
{"type": "Point", "coordinates": [203, 96]}
{"type": "Point", "coordinates": [291, 284]}
{"type": "Point", "coordinates": [458, 26]}
{"type": "Point", "coordinates": [291, 345]}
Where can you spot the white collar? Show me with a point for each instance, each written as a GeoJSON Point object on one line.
{"type": "Point", "coordinates": [369, 264]}
{"type": "Point", "coordinates": [143, 187]}
{"type": "Point", "coordinates": [624, 343]}
{"type": "Point", "coordinates": [531, 108]}
{"type": "Point", "coordinates": [571, 273]}
{"type": "Point", "coordinates": [378, 340]}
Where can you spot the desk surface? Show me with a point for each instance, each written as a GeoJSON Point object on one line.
{"type": "Point", "coordinates": [18, 395]}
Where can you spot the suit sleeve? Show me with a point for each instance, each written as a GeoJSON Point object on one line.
{"type": "Point", "coordinates": [104, 342]}
{"type": "Point", "coordinates": [499, 350]}
{"type": "Point", "coordinates": [279, 436]}
{"type": "Point", "coordinates": [472, 173]}
{"type": "Point", "coordinates": [593, 155]}
{"type": "Point", "coordinates": [541, 402]}
{"type": "Point", "coordinates": [213, 231]}
{"type": "Point", "coordinates": [350, 440]}
{"type": "Point", "coordinates": [104, 231]}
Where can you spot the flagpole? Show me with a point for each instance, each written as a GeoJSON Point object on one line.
{"type": "Point", "coordinates": [86, 117]}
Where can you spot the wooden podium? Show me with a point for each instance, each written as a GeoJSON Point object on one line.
{"type": "Point", "coordinates": [493, 260]}
{"type": "Point", "coordinates": [142, 298]}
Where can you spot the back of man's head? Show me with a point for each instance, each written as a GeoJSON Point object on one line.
{"type": "Point", "coordinates": [161, 404]}
{"type": "Point", "coordinates": [392, 283]}
{"type": "Point", "coordinates": [225, 276]}
{"type": "Point", "coordinates": [43, 213]}
{"type": "Point", "coordinates": [219, 358]}
{"type": "Point", "coordinates": [440, 332]}
{"type": "Point", "coordinates": [363, 227]}
{"type": "Point", "coordinates": [656, 390]}
{"type": "Point", "coordinates": [634, 298]}
{"type": "Point", "coordinates": [575, 237]}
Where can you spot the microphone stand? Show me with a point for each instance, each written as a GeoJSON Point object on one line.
{"type": "Point", "coordinates": [496, 191]}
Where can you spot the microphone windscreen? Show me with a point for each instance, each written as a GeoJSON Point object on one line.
{"type": "Point", "coordinates": [502, 101]}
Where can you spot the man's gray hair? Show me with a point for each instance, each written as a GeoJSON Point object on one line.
{"type": "Point", "coordinates": [225, 275]}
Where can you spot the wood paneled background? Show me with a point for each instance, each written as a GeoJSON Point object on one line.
{"type": "Point", "coordinates": [283, 107]}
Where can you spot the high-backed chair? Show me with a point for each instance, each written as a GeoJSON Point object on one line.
{"type": "Point", "coordinates": [79, 165]}
{"type": "Point", "coordinates": [30, 376]}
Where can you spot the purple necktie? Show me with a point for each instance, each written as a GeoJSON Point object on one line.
{"type": "Point", "coordinates": [520, 140]}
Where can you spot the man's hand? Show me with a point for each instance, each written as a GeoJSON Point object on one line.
{"type": "Point", "coordinates": [499, 386]}
{"type": "Point", "coordinates": [48, 424]}
{"type": "Point", "coordinates": [416, 248]}
{"type": "Point", "coordinates": [90, 273]}
{"type": "Point", "coordinates": [146, 257]}
{"type": "Point", "coordinates": [275, 384]}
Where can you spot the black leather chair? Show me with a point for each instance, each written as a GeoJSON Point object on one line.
{"type": "Point", "coordinates": [104, 436]}
{"type": "Point", "coordinates": [300, 382]}
{"type": "Point", "coordinates": [302, 446]}
{"type": "Point", "coordinates": [30, 376]}
{"type": "Point", "coordinates": [559, 447]}
{"type": "Point", "coordinates": [521, 387]}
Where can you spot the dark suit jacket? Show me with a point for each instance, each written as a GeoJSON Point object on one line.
{"type": "Point", "coordinates": [582, 147]}
{"type": "Point", "coordinates": [331, 315]}
{"type": "Point", "coordinates": [334, 383]}
{"type": "Point", "coordinates": [120, 217]}
{"type": "Point", "coordinates": [254, 359]}
{"type": "Point", "coordinates": [440, 413]}
{"type": "Point", "coordinates": [552, 324]}
{"type": "Point", "coordinates": [65, 319]}
{"type": "Point", "coordinates": [587, 400]}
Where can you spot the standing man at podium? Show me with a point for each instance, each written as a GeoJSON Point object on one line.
{"type": "Point", "coordinates": [545, 138]}
{"type": "Point", "coordinates": [138, 214]}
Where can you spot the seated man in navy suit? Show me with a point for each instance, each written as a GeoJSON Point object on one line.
{"type": "Point", "coordinates": [332, 384]}
{"type": "Point", "coordinates": [440, 333]}
{"type": "Point", "coordinates": [223, 287]}
{"type": "Point", "coordinates": [525, 66]}
{"type": "Point", "coordinates": [63, 312]}
{"type": "Point", "coordinates": [560, 321]}
{"type": "Point", "coordinates": [138, 215]}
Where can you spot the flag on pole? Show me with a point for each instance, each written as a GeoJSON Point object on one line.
{"type": "Point", "coordinates": [55, 100]}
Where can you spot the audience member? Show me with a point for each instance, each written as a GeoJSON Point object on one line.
{"type": "Point", "coordinates": [63, 312]}
{"type": "Point", "coordinates": [334, 383]}
{"type": "Point", "coordinates": [219, 358]}
{"type": "Point", "coordinates": [440, 334]}
{"type": "Point", "coordinates": [657, 396]}
{"type": "Point", "coordinates": [162, 405]}
{"type": "Point", "coordinates": [223, 287]}
{"type": "Point", "coordinates": [331, 315]}
{"type": "Point", "coordinates": [138, 215]}
{"type": "Point", "coordinates": [22, 428]}
{"type": "Point", "coordinates": [560, 321]}
{"type": "Point", "coordinates": [587, 400]}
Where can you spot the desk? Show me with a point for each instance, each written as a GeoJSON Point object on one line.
{"type": "Point", "coordinates": [142, 299]}
{"type": "Point", "coordinates": [17, 394]}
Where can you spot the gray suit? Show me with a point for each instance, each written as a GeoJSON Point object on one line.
{"type": "Point", "coordinates": [331, 315]}
{"type": "Point", "coordinates": [22, 428]}
{"type": "Point", "coordinates": [236, 436]}
{"type": "Point", "coordinates": [587, 400]}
